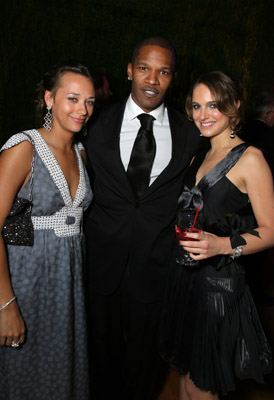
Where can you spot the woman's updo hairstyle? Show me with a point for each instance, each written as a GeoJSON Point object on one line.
{"type": "Point", "coordinates": [51, 81]}
{"type": "Point", "coordinates": [226, 91]}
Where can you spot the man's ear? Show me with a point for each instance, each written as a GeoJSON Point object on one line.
{"type": "Point", "coordinates": [129, 71]}
{"type": "Point", "coordinates": [268, 117]}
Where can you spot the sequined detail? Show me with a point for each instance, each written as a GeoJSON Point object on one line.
{"type": "Point", "coordinates": [18, 229]}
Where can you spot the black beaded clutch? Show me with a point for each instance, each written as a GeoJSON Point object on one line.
{"type": "Point", "coordinates": [18, 228]}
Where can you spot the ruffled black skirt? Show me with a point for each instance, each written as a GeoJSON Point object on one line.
{"type": "Point", "coordinates": [211, 329]}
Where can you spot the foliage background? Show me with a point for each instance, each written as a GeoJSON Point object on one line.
{"type": "Point", "coordinates": [232, 35]}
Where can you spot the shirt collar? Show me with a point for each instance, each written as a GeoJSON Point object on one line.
{"type": "Point", "coordinates": [134, 110]}
{"type": "Point", "coordinates": [258, 119]}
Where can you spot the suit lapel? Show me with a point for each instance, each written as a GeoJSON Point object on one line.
{"type": "Point", "coordinates": [178, 134]}
{"type": "Point", "coordinates": [111, 128]}
{"type": "Point", "coordinates": [112, 124]}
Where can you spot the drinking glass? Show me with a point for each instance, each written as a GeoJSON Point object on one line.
{"type": "Point", "coordinates": [188, 220]}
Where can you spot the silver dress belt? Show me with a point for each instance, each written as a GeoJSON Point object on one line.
{"type": "Point", "coordinates": [66, 222]}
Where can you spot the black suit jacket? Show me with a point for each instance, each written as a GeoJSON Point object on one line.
{"type": "Point", "coordinates": [261, 135]}
{"type": "Point", "coordinates": [122, 231]}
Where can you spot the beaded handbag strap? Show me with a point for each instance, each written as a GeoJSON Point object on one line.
{"type": "Point", "coordinates": [32, 165]}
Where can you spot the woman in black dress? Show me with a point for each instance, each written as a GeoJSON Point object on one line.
{"type": "Point", "coordinates": [210, 329]}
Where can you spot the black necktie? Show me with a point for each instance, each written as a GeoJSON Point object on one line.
{"type": "Point", "coordinates": [142, 156]}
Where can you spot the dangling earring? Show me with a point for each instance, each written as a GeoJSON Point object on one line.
{"type": "Point", "coordinates": [201, 134]}
{"type": "Point", "coordinates": [129, 78]}
{"type": "Point", "coordinates": [48, 120]}
{"type": "Point", "coordinates": [232, 135]}
{"type": "Point", "coordinates": [85, 131]}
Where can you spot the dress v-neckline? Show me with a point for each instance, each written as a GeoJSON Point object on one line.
{"type": "Point", "coordinates": [57, 173]}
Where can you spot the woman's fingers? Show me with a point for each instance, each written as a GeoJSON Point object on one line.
{"type": "Point", "coordinates": [12, 328]}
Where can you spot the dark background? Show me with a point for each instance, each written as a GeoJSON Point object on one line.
{"type": "Point", "coordinates": [232, 35]}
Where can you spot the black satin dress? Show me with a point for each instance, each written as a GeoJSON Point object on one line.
{"type": "Point", "coordinates": [210, 326]}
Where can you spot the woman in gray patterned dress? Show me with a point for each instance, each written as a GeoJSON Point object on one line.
{"type": "Point", "coordinates": [43, 349]}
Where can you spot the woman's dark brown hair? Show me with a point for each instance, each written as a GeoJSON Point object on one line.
{"type": "Point", "coordinates": [226, 91]}
{"type": "Point", "coordinates": [51, 82]}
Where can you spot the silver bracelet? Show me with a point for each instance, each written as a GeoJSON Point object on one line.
{"type": "Point", "coordinates": [238, 251]}
{"type": "Point", "coordinates": [6, 305]}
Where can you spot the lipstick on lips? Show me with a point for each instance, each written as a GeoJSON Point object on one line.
{"type": "Point", "coordinates": [78, 120]}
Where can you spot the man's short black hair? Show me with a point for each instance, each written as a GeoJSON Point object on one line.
{"type": "Point", "coordinates": [155, 41]}
{"type": "Point", "coordinates": [263, 102]}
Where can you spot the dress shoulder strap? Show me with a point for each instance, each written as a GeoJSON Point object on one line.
{"type": "Point", "coordinates": [193, 196]}
{"type": "Point", "coordinates": [16, 139]}
{"type": "Point", "coordinates": [222, 168]}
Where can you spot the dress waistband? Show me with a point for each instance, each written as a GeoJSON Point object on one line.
{"type": "Point", "coordinates": [66, 222]}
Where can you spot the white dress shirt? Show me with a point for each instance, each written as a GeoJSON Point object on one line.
{"type": "Point", "coordinates": [161, 130]}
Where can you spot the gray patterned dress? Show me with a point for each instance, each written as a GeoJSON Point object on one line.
{"type": "Point", "coordinates": [48, 282]}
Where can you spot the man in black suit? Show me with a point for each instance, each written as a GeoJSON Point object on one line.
{"type": "Point", "coordinates": [129, 236]}
{"type": "Point", "coordinates": [259, 129]}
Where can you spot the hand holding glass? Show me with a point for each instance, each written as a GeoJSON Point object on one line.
{"type": "Point", "coordinates": [188, 220]}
